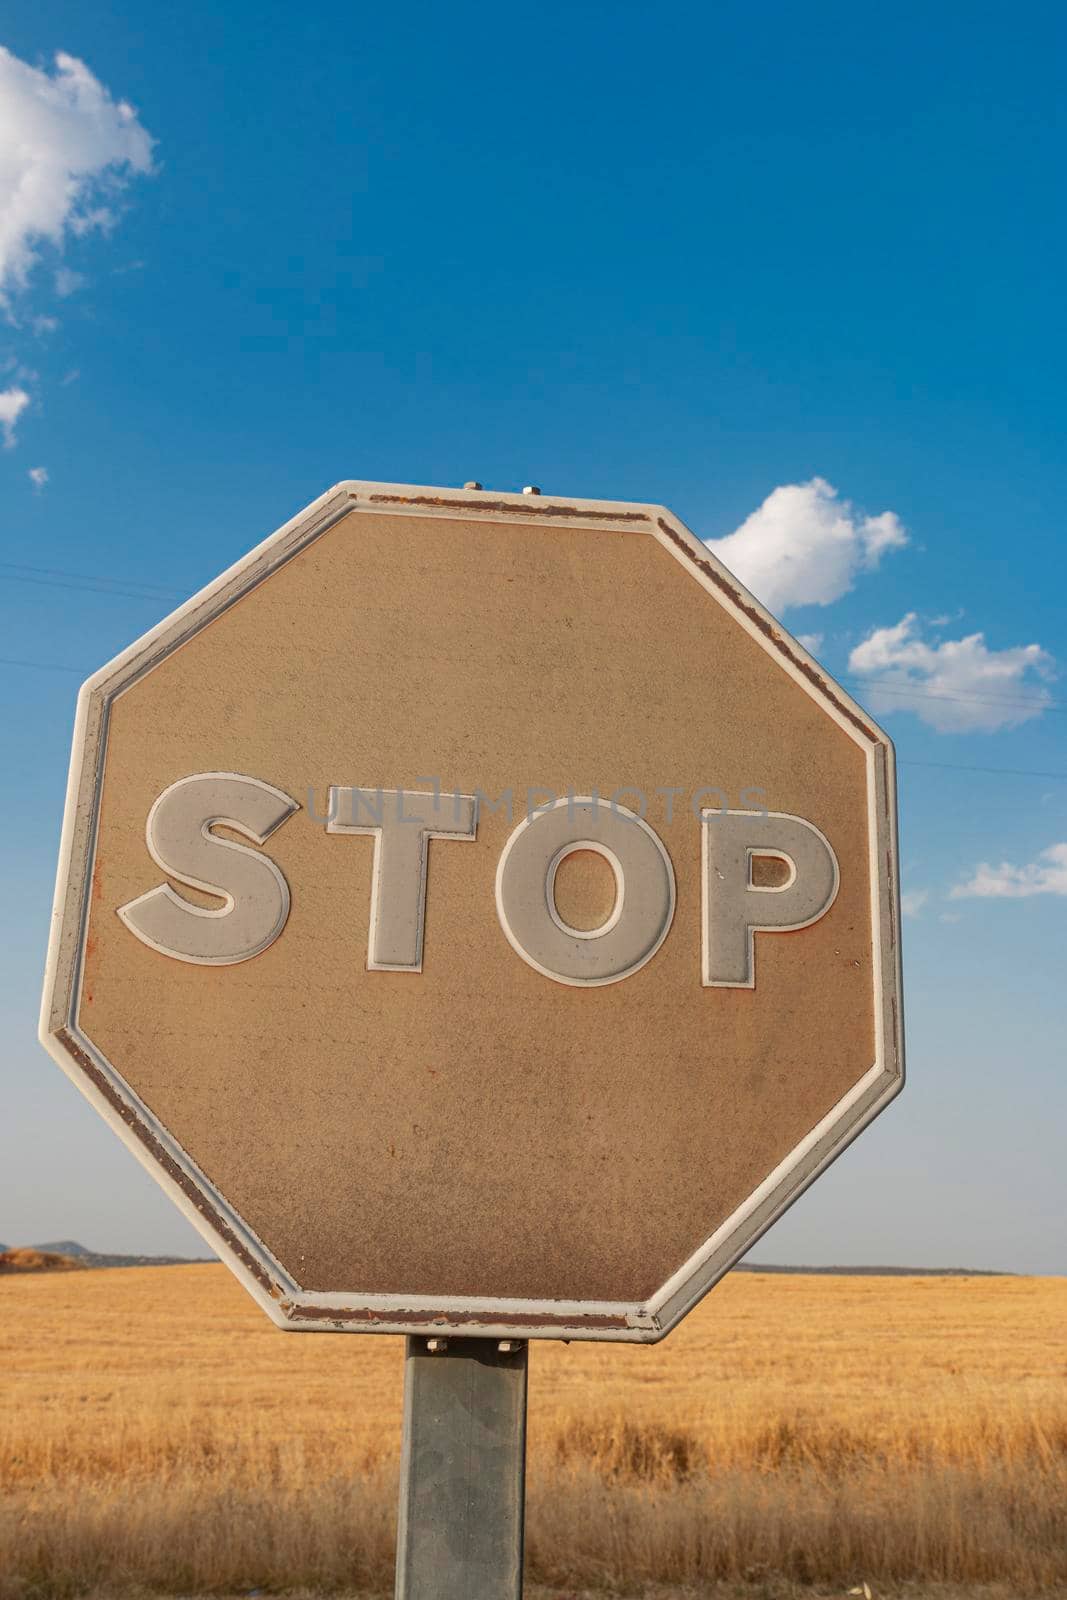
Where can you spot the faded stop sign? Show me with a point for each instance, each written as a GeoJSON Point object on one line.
{"type": "Point", "coordinates": [478, 914]}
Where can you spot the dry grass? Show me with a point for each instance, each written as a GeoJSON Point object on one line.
{"type": "Point", "coordinates": [159, 1433]}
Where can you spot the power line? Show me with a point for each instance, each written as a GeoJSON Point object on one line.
{"type": "Point", "coordinates": [894, 686]}
{"type": "Point", "coordinates": [1000, 772]}
{"type": "Point", "coordinates": [60, 578]}
{"type": "Point", "coordinates": [41, 666]}
{"type": "Point", "coordinates": [940, 766]}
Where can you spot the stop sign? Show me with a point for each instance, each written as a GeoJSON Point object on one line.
{"type": "Point", "coordinates": [479, 915]}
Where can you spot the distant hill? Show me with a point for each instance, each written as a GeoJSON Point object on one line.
{"type": "Point", "coordinates": [878, 1272]}
{"type": "Point", "coordinates": [63, 1254]}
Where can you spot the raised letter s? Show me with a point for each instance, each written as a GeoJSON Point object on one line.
{"type": "Point", "coordinates": [180, 841]}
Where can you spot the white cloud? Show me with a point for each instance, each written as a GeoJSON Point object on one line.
{"type": "Point", "coordinates": [13, 403]}
{"type": "Point", "coordinates": [43, 325]}
{"type": "Point", "coordinates": [953, 685]}
{"type": "Point", "coordinates": [66, 147]}
{"type": "Point", "coordinates": [912, 901]}
{"type": "Point", "coordinates": [38, 476]}
{"type": "Point", "coordinates": [805, 546]}
{"type": "Point", "coordinates": [101, 217]}
{"type": "Point", "coordinates": [1046, 875]}
{"type": "Point", "coordinates": [68, 282]}
{"type": "Point", "coordinates": [810, 641]}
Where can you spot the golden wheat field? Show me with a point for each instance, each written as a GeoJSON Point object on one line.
{"type": "Point", "coordinates": [158, 1434]}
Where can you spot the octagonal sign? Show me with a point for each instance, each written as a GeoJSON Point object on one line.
{"type": "Point", "coordinates": [478, 914]}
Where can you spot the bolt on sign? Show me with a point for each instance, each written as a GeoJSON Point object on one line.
{"type": "Point", "coordinates": [478, 914]}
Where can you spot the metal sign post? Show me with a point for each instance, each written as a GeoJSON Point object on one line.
{"type": "Point", "coordinates": [463, 1470]}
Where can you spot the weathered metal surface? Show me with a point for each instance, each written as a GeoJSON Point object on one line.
{"type": "Point", "coordinates": [328, 1126]}
{"type": "Point", "coordinates": [462, 1471]}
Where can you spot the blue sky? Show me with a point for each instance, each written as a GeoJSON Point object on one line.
{"type": "Point", "coordinates": [796, 272]}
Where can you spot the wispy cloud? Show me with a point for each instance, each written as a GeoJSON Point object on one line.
{"type": "Point", "coordinates": [1046, 875]}
{"type": "Point", "coordinates": [806, 546]}
{"type": "Point", "coordinates": [67, 152]}
{"type": "Point", "coordinates": [13, 403]}
{"type": "Point", "coordinates": [953, 685]}
{"type": "Point", "coordinates": [912, 901]}
{"type": "Point", "coordinates": [68, 282]}
{"type": "Point", "coordinates": [38, 476]}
